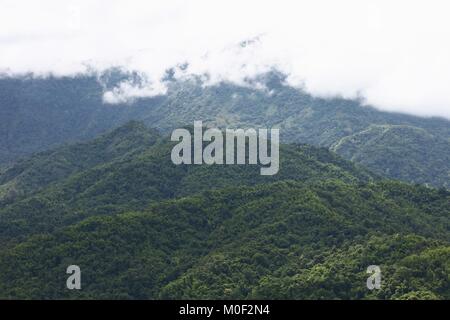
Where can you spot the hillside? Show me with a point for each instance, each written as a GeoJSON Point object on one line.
{"type": "Point", "coordinates": [36, 172]}
{"type": "Point", "coordinates": [382, 148]}
{"type": "Point", "coordinates": [142, 228]}
{"type": "Point", "coordinates": [281, 240]}
{"type": "Point", "coordinates": [38, 114]}
{"type": "Point", "coordinates": [127, 169]}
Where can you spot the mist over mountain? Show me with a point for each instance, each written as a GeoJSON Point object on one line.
{"type": "Point", "coordinates": [390, 53]}
{"type": "Point", "coordinates": [39, 113]}
{"type": "Point", "coordinates": [126, 172]}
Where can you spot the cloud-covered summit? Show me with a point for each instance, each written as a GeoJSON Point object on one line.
{"type": "Point", "coordinates": [395, 54]}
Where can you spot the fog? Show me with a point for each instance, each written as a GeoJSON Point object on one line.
{"type": "Point", "coordinates": [394, 54]}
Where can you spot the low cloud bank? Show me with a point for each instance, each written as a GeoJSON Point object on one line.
{"type": "Point", "coordinates": [394, 54]}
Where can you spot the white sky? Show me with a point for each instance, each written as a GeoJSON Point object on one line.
{"type": "Point", "coordinates": [394, 53]}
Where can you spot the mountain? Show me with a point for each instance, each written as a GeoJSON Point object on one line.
{"type": "Point", "coordinates": [38, 114]}
{"type": "Point", "coordinates": [282, 240]}
{"type": "Point", "coordinates": [140, 227]}
{"type": "Point", "coordinates": [382, 148]}
{"type": "Point", "coordinates": [31, 174]}
{"type": "Point", "coordinates": [127, 169]}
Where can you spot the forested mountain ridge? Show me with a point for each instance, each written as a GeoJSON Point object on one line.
{"type": "Point", "coordinates": [382, 148]}
{"type": "Point", "coordinates": [40, 113]}
{"type": "Point", "coordinates": [140, 227]}
{"type": "Point", "coordinates": [31, 174]}
{"type": "Point", "coordinates": [127, 169]}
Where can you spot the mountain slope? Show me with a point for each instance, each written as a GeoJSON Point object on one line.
{"type": "Point", "coordinates": [129, 168]}
{"type": "Point", "coordinates": [278, 240]}
{"type": "Point", "coordinates": [400, 151]}
{"type": "Point", "coordinates": [142, 228]}
{"type": "Point", "coordinates": [40, 113]}
{"type": "Point", "coordinates": [38, 171]}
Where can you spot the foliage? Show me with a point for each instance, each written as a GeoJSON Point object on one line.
{"type": "Point", "coordinates": [141, 228]}
{"type": "Point", "coordinates": [38, 114]}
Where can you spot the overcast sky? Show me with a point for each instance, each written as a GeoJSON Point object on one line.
{"type": "Point", "coordinates": [395, 54]}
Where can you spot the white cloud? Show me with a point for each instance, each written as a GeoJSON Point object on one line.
{"type": "Point", "coordinates": [394, 53]}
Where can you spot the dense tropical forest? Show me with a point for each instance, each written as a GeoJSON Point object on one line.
{"type": "Point", "coordinates": [41, 113]}
{"type": "Point", "coordinates": [141, 227]}
{"type": "Point", "coordinates": [220, 159]}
